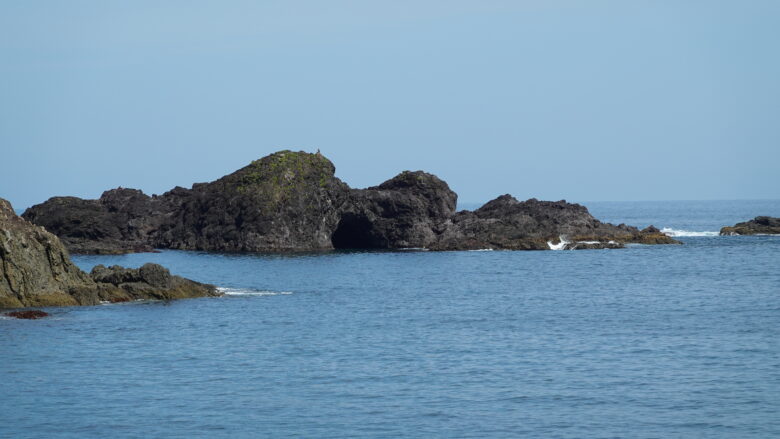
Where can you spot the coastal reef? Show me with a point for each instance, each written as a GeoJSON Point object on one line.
{"type": "Point", "coordinates": [36, 270]}
{"type": "Point", "coordinates": [292, 201]}
{"type": "Point", "coordinates": [760, 225]}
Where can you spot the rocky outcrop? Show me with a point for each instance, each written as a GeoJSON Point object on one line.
{"type": "Point", "coordinates": [36, 270]}
{"type": "Point", "coordinates": [151, 281]}
{"type": "Point", "coordinates": [506, 223]}
{"type": "Point", "coordinates": [286, 201]}
{"type": "Point", "coordinates": [409, 210]}
{"type": "Point", "coordinates": [292, 201]}
{"type": "Point", "coordinates": [120, 221]}
{"type": "Point", "coordinates": [760, 225]}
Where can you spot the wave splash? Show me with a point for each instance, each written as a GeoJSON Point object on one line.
{"type": "Point", "coordinates": [677, 232]}
{"type": "Point", "coordinates": [250, 292]}
{"type": "Point", "coordinates": [559, 246]}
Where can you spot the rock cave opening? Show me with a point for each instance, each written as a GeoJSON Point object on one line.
{"type": "Point", "coordinates": [355, 232]}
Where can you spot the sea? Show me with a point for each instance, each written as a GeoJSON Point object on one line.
{"type": "Point", "coordinates": [659, 341]}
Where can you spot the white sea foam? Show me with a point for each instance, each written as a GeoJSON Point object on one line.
{"type": "Point", "coordinates": [250, 292]}
{"type": "Point", "coordinates": [589, 242]}
{"type": "Point", "coordinates": [676, 232]}
{"type": "Point", "coordinates": [482, 250]}
{"type": "Point", "coordinates": [559, 246]}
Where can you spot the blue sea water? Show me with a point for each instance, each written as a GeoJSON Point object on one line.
{"type": "Point", "coordinates": [643, 342]}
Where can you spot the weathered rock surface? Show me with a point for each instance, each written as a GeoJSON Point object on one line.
{"type": "Point", "coordinates": [760, 225]}
{"type": "Point", "coordinates": [292, 201]}
{"type": "Point", "coordinates": [36, 270]}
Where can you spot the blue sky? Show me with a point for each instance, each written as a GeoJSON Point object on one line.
{"type": "Point", "coordinates": [582, 100]}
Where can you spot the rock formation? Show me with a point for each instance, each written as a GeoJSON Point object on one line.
{"type": "Point", "coordinates": [760, 225]}
{"type": "Point", "coordinates": [292, 201]}
{"type": "Point", "coordinates": [36, 270]}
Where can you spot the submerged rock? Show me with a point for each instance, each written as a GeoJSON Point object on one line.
{"type": "Point", "coordinates": [31, 314]}
{"type": "Point", "coordinates": [292, 201]}
{"type": "Point", "coordinates": [760, 225]}
{"type": "Point", "coordinates": [36, 270]}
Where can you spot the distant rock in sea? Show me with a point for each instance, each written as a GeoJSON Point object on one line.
{"type": "Point", "coordinates": [292, 201]}
{"type": "Point", "coordinates": [36, 270]}
{"type": "Point", "coordinates": [760, 225]}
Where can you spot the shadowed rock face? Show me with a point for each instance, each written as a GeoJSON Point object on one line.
{"type": "Point", "coordinates": [36, 270]}
{"type": "Point", "coordinates": [760, 225]}
{"type": "Point", "coordinates": [120, 221]}
{"type": "Point", "coordinates": [292, 201]}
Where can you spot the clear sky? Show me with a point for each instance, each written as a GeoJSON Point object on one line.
{"type": "Point", "coordinates": [582, 100]}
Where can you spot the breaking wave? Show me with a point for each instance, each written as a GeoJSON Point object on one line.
{"type": "Point", "coordinates": [250, 292]}
{"type": "Point", "coordinates": [676, 232]}
{"type": "Point", "coordinates": [559, 246]}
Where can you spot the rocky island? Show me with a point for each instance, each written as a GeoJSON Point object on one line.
{"type": "Point", "coordinates": [292, 201]}
{"type": "Point", "coordinates": [36, 270]}
{"type": "Point", "coordinates": [760, 225]}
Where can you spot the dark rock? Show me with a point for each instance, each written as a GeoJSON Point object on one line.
{"type": "Point", "coordinates": [36, 270]}
{"type": "Point", "coordinates": [286, 201]}
{"type": "Point", "coordinates": [409, 210]}
{"type": "Point", "coordinates": [760, 225]}
{"type": "Point", "coordinates": [32, 314]}
{"type": "Point", "coordinates": [506, 223]}
{"type": "Point", "coordinates": [292, 201]}
{"type": "Point", "coordinates": [118, 222]}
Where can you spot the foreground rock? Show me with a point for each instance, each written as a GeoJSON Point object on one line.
{"type": "Point", "coordinates": [292, 201]}
{"type": "Point", "coordinates": [36, 270]}
{"type": "Point", "coordinates": [760, 225]}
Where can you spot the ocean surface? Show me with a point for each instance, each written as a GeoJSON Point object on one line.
{"type": "Point", "coordinates": [642, 342]}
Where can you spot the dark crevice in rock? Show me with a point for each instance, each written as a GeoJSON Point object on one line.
{"type": "Point", "coordinates": [356, 232]}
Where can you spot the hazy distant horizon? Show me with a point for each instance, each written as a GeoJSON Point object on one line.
{"type": "Point", "coordinates": [601, 100]}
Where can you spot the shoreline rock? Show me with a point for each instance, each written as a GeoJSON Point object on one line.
{"type": "Point", "coordinates": [760, 225]}
{"type": "Point", "coordinates": [36, 271]}
{"type": "Point", "coordinates": [292, 201]}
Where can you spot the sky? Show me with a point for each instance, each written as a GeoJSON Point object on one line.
{"type": "Point", "coordinates": [579, 100]}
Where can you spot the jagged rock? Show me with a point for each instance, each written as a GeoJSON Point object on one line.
{"type": "Point", "coordinates": [292, 201]}
{"type": "Point", "coordinates": [760, 225]}
{"type": "Point", "coordinates": [36, 270]}
{"type": "Point", "coordinates": [506, 223]}
{"type": "Point", "coordinates": [118, 222]}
